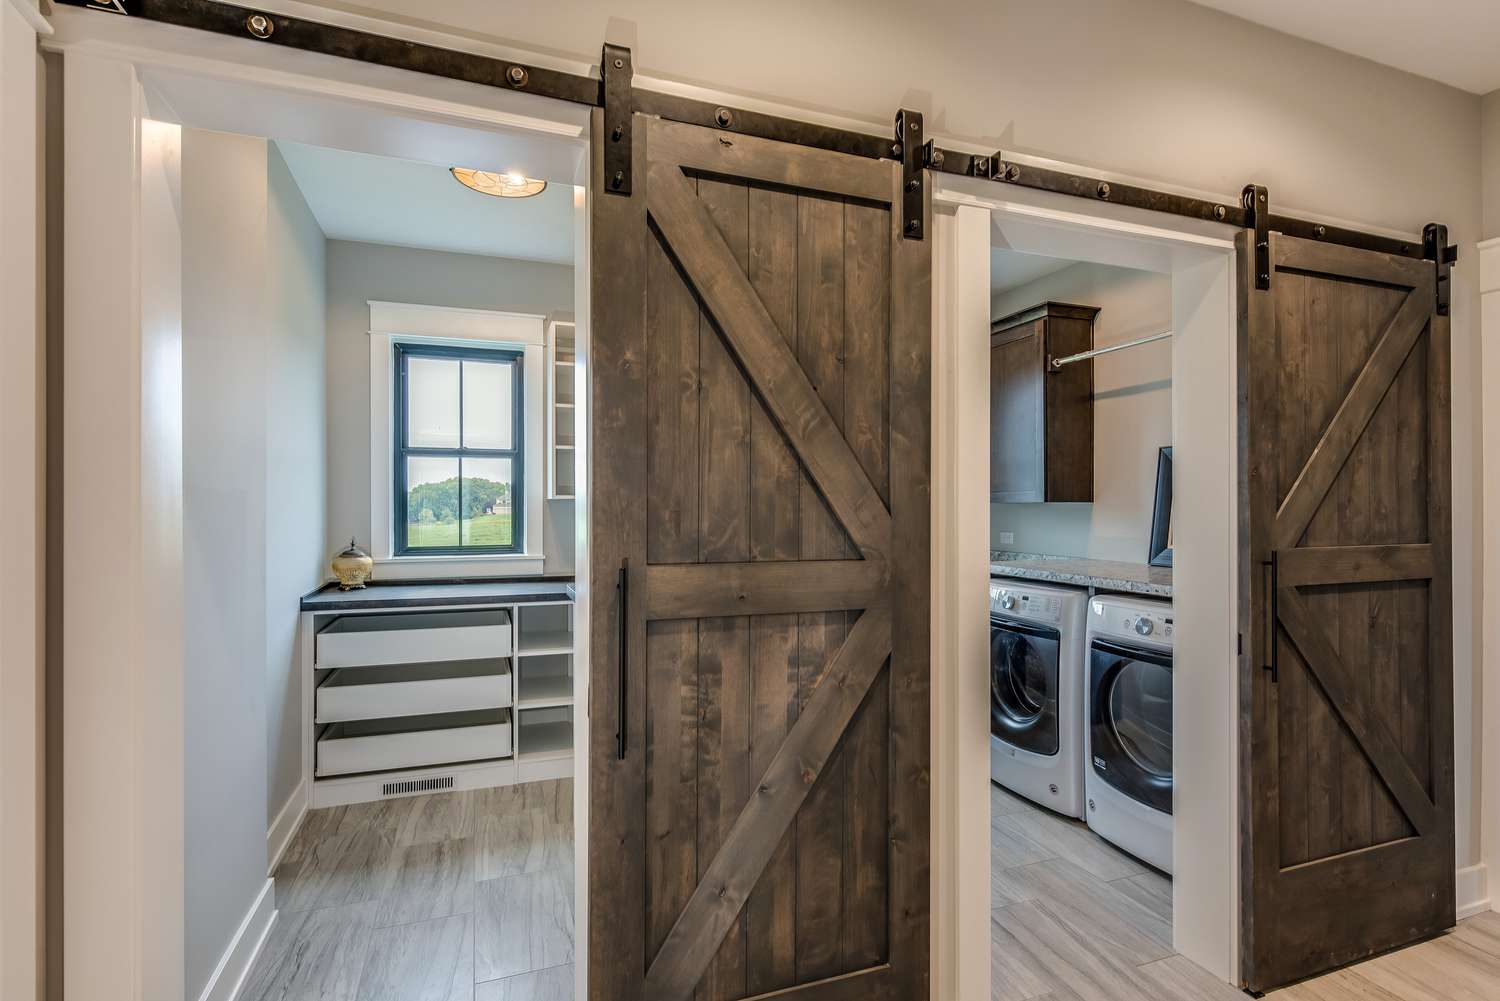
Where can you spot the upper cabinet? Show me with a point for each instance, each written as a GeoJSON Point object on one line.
{"type": "Point", "coordinates": [1041, 420]}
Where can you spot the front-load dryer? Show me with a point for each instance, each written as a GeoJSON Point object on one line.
{"type": "Point", "coordinates": [1036, 692]}
{"type": "Point", "coordinates": [1128, 726]}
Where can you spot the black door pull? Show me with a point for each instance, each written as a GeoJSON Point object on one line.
{"type": "Point", "coordinates": [624, 676]}
{"type": "Point", "coordinates": [1273, 654]}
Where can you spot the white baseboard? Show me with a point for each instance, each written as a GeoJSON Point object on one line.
{"type": "Point", "coordinates": [1473, 891]}
{"type": "Point", "coordinates": [248, 939]}
{"type": "Point", "coordinates": [285, 826]}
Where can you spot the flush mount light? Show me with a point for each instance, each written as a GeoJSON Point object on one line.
{"type": "Point", "coordinates": [487, 182]}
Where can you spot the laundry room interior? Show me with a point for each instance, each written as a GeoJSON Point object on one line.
{"type": "Point", "coordinates": [1081, 625]}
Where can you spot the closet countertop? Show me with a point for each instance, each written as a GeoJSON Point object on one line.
{"type": "Point", "coordinates": [1103, 575]}
{"type": "Point", "coordinates": [427, 593]}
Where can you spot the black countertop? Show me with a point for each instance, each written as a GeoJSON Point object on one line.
{"type": "Point", "coordinates": [426, 593]}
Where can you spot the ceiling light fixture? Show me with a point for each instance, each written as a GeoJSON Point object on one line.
{"type": "Point", "coordinates": [487, 182]}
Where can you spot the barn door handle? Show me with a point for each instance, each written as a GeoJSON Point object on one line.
{"type": "Point", "coordinates": [1273, 654]}
{"type": "Point", "coordinates": [624, 679]}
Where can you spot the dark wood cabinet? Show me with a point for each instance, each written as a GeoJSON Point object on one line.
{"type": "Point", "coordinates": [1041, 421]}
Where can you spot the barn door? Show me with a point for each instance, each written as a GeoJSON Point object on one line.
{"type": "Point", "coordinates": [759, 549]}
{"type": "Point", "coordinates": [1348, 758]}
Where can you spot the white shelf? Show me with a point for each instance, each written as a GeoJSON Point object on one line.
{"type": "Point", "coordinates": [547, 691]}
{"type": "Point", "coordinates": [534, 643]}
{"type": "Point", "coordinates": [565, 406]}
{"type": "Point", "coordinates": [546, 740]}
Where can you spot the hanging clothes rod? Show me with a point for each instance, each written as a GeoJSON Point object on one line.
{"type": "Point", "coordinates": [1058, 363]}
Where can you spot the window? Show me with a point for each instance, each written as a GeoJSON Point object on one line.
{"type": "Point", "coordinates": [458, 464]}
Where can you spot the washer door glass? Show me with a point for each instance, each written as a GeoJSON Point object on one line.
{"type": "Point", "coordinates": [1130, 721]}
{"type": "Point", "coordinates": [1023, 686]}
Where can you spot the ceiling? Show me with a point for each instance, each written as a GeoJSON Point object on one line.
{"type": "Point", "coordinates": [377, 199]}
{"type": "Point", "coordinates": [1456, 42]}
{"type": "Point", "coordinates": [1011, 269]}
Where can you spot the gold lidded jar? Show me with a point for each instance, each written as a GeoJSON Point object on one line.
{"type": "Point", "coordinates": [353, 567]}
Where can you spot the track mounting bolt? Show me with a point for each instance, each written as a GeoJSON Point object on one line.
{"type": "Point", "coordinates": [1012, 172]}
{"type": "Point", "coordinates": [517, 76]}
{"type": "Point", "coordinates": [913, 184]}
{"type": "Point", "coordinates": [896, 150]}
{"type": "Point", "coordinates": [1321, 230]}
{"type": "Point", "coordinates": [937, 158]}
{"type": "Point", "coordinates": [912, 226]}
{"type": "Point", "coordinates": [617, 134]}
{"type": "Point", "coordinates": [724, 118]}
{"type": "Point", "coordinates": [619, 64]}
{"type": "Point", "coordinates": [1103, 189]}
{"type": "Point", "coordinates": [618, 179]}
{"type": "Point", "coordinates": [259, 25]}
{"type": "Point", "coordinates": [1220, 212]}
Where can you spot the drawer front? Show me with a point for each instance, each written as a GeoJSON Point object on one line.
{"type": "Point", "coordinates": [340, 754]}
{"type": "Point", "coordinates": [363, 641]}
{"type": "Point", "coordinates": [405, 691]}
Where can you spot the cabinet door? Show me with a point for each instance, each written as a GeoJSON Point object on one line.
{"type": "Point", "coordinates": [1017, 437]}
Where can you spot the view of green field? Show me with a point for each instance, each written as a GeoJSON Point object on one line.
{"type": "Point", "coordinates": [481, 530]}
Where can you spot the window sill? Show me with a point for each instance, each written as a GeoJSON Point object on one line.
{"type": "Point", "coordinates": [421, 567]}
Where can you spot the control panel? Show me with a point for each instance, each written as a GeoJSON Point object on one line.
{"type": "Point", "coordinates": [1132, 622]}
{"type": "Point", "coordinates": [1021, 604]}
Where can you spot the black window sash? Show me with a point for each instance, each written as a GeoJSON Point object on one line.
{"type": "Point", "coordinates": [405, 351]}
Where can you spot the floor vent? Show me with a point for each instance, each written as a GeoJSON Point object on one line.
{"type": "Point", "coordinates": [416, 785]}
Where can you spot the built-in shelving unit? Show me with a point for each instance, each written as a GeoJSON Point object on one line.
{"type": "Point", "coordinates": [562, 407]}
{"type": "Point", "coordinates": [405, 701]}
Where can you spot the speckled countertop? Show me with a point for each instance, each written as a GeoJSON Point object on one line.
{"type": "Point", "coordinates": [1104, 575]}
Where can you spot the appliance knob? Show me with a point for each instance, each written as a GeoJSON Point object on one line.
{"type": "Point", "coordinates": [1008, 602]}
{"type": "Point", "coordinates": [1143, 626]}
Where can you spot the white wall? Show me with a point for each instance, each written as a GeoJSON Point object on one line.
{"type": "Point", "coordinates": [254, 504]}
{"type": "Point", "coordinates": [224, 372]}
{"type": "Point", "coordinates": [1158, 89]}
{"type": "Point", "coordinates": [296, 488]}
{"type": "Point", "coordinates": [1132, 416]}
{"type": "Point", "coordinates": [360, 272]}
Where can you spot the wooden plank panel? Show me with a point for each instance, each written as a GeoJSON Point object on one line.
{"type": "Point", "coordinates": [743, 855]}
{"type": "Point", "coordinates": [724, 774]}
{"type": "Point", "coordinates": [671, 751]}
{"type": "Point", "coordinates": [617, 475]}
{"type": "Point", "coordinates": [678, 590]}
{"type": "Point", "coordinates": [1372, 734]}
{"type": "Point", "coordinates": [672, 374]}
{"type": "Point", "coordinates": [1355, 564]}
{"type": "Point", "coordinates": [820, 822]}
{"type": "Point", "coordinates": [770, 913]}
{"type": "Point", "coordinates": [867, 831]}
{"type": "Point", "coordinates": [1364, 266]}
{"type": "Point", "coordinates": [762, 352]}
{"type": "Point", "coordinates": [1353, 413]}
{"type": "Point", "coordinates": [1440, 597]}
{"type": "Point", "coordinates": [723, 402]}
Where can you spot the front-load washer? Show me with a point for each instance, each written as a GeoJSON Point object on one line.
{"type": "Point", "coordinates": [1128, 726]}
{"type": "Point", "coordinates": [1036, 692]}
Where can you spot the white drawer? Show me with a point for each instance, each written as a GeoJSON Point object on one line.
{"type": "Point", "coordinates": [414, 690]}
{"type": "Point", "coordinates": [413, 742]}
{"type": "Point", "coordinates": [414, 638]}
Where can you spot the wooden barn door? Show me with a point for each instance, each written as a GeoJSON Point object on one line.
{"type": "Point", "coordinates": [759, 736]}
{"type": "Point", "coordinates": [1348, 692]}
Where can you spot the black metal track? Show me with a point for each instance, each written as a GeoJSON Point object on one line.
{"type": "Point", "coordinates": [313, 36]}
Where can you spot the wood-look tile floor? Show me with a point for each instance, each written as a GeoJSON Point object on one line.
{"type": "Point", "coordinates": [464, 896]}
{"type": "Point", "coordinates": [1075, 919]}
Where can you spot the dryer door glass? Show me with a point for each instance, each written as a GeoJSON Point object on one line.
{"type": "Point", "coordinates": [1023, 686]}
{"type": "Point", "coordinates": [1130, 721]}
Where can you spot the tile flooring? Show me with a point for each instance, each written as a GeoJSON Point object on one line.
{"type": "Point", "coordinates": [463, 896]}
{"type": "Point", "coordinates": [1075, 919]}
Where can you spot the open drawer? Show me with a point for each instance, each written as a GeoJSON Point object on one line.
{"type": "Point", "coordinates": [413, 690]}
{"type": "Point", "coordinates": [413, 742]}
{"type": "Point", "coordinates": [414, 638]}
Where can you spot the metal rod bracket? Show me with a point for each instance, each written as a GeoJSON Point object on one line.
{"type": "Point", "coordinates": [1435, 248]}
{"type": "Point", "coordinates": [914, 157]}
{"type": "Point", "coordinates": [617, 99]}
{"type": "Point", "coordinates": [1258, 218]}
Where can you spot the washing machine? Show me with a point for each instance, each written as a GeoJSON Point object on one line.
{"type": "Point", "coordinates": [1128, 726]}
{"type": "Point", "coordinates": [1036, 692]}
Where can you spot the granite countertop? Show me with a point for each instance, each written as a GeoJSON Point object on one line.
{"type": "Point", "coordinates": [421, 594]}
{"type": "Point", "coordinates": [1104, 575]}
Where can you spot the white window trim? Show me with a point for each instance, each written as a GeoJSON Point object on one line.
{"type": "Point", "coordinates": [396, 322]}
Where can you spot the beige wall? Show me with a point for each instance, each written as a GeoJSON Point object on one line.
{"type": "Point", "coordinates": [1132, 416]}
{"type": "Point", "coordinates": [1162, 89]}
{"type": "Point", "coordinates": [360, 272]}
{"type": "Point", "coordinates": [1490, 110]}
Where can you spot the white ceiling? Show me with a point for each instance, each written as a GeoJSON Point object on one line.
{"type": "Point", "coordinates": [1011, 269]}
{"type": "Point", "coordinates": [377, 199]}
{"type": "Point", "coordinates": [1456, 42]}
